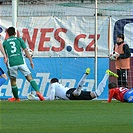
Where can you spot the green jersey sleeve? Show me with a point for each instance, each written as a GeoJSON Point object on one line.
{"type": "Point", "coordinates": [23, 45]}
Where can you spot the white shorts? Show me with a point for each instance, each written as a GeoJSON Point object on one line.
{"type": "Point", "coordinates": [13, 71]}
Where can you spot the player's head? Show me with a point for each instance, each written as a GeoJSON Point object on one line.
{"type": "Point", "coordinates": [112, 85]}
{"type": "Point", "coordinates": [11, 31]}
{"type": "Point", "coordinates": [54, 80]}
{"type": "Point", "coordinates": [121, 36]}
{"type": "Point", "coordinates": [120, 39]}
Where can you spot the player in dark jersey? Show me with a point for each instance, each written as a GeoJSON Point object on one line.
{"type": "Point", "coordinates": [3, 77]}
{"type": "Point", "coordinates": [120, 93]}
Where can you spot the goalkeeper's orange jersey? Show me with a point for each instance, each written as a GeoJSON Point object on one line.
{"type": "Point", "coordinates": [117, 93]}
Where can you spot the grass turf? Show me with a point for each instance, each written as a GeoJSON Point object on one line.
{"type": "Point", "coordinates": [66, 117]}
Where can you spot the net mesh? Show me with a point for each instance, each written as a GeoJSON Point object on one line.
{"type": "Point", "coordinates": [68, 7]}
{"type": "Point", "coordinates": [37, 14]}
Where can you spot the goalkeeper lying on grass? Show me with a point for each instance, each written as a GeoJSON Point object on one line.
{"type": "Point", "coordinates": [65, 93]}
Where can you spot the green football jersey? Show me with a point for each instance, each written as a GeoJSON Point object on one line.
{"type": "Point", "coordinates": [13, 47]}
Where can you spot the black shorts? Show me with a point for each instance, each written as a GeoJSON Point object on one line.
{"type": "Point", "coordinates": [85, 95]}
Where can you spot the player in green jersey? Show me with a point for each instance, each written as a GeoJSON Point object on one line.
{"type": "Point", "coordinates": [14, 48]}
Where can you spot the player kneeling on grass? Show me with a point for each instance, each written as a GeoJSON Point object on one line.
{"type": "Point", "coordinates": [3, 77]}
{"type": "Point", "coordinates": [120, 93]}
{"type": "Point", "coordinates": [13, 47]}
{"type": "Point", "coordinates": [65, 93]}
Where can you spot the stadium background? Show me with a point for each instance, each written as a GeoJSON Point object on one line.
{"type": "Point", "coordinates": [49, 27]}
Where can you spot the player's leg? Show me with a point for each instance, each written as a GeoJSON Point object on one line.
{"type": "Point", "coordinates": [14, 88]}
{"type": "Point", "coordinates": [34, 86]}
{"type": "Point", "coordinates": [12, 71]}
{"type": "Point", "coordinates": [33, 97]}
{"type": "Point", "coordinates": [119, 78]}
{"type": "Point", "coordinates": [124, 77]}
{"type": "Point", "coordinates": [26, 72]}
{"type": "Point", "coordinates": [2, 81]}
{"type": "Point", "coordinates": [81, 83]}
{"type": "Point", "coordinates": [102, 84]}
{"type": "Point", "coordinates": [3, 77]}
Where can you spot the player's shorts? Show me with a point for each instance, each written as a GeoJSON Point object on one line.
{"type": "Point", "coordinates": [13, 71]}
{"type": "Point", "coordinates": [128, 96]}
{"type": "Point", "coordinates": [1, 71]}
{"type": "Point", "coordinates": [85, 95]}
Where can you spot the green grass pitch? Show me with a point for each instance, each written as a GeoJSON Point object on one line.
{"type": "Point", "coordinates": [66, 117]}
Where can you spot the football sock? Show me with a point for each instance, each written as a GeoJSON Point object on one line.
{"type": "Point", "coordinates": [34, 85]}
{"type": "Point", "coordinates": [15, 91]}
{"type": "Point", "coordinates": [81, 82]}
{"type": "Point", "coordinates": [101, 85]}
{"type": "Point", "coordinates": [80, 85]}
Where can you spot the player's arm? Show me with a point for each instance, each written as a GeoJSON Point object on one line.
{"type": "Point", "coordinates": [52, 92]}
{"type": "Point", "coordinates": [2, 49]}
{"type": "Point", "coordinates": [3, 52]}
{"type": "Point", "coordinates": [111, 94]}
{"type": "Point", "coordinates": [23, 45]}
{"type": "Point", "coordinates": [29, 57]}
{"type": "Point", "coordinates": [127, 52]}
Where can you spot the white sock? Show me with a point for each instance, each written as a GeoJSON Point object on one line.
{"type": "Point", "coordinates": [81, 82]}
{"type": "Point", "coordinates": [102, 85]}
{"type": "Point", "coordinates": [77, 92]}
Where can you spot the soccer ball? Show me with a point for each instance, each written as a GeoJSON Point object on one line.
{"type": "Point", "coordinates": [114, 56]}
{"type": "Point", "coordinates": [30, 52]}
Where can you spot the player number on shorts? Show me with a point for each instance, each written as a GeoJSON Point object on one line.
{"type": "Point", "coordinates": [13, 50]}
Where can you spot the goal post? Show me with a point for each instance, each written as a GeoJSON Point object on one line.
{"type": "Point", "coordinates": [14, 13]}
{"type": "Point", "coordinates": [95, 46]}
